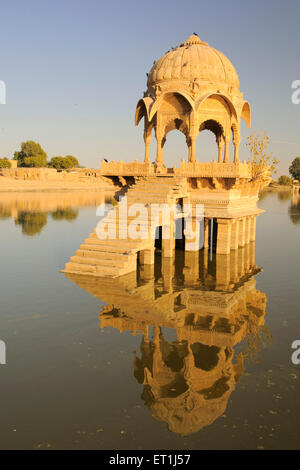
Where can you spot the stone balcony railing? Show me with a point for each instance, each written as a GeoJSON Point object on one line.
{"type": "Point", "coordinates": [187, 169]}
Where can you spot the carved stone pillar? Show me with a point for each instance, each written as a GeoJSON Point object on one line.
{"type": "Point", "coordinates": [193, 148]}
{"type": "Point", "coordinates": [191, 267]}
{"type": "Point", "coordinates": [147, 139]}
{"type": "Point", "coordinates": [241, 262]}
{"type": "Point", "coordinates": [223, 272]}
{"type": "Point", "coordinates": [188, 143]}
{"type": "Point", "coordinates": [168, 240]}
{"type": "Point", "coordinates": [157, 354]}
{"type": "Point", "coordinates": [226, 154]}
{"type": "Point", "coordinates": [147, 256]}
{"type": "Point", "coordinates": [147, 273]}
{"type": "Point", "coordinates": [247, 258]}
{"type": "Point", "coordinates": [234, 273]}
{"type": "Point", "coordinates": [247, 229]}
{"type": "Point", "coordinates": [193, 131]}
{"type": "Point", "coordinates": [192, 233]}
{"type": "Point", "coordinates": [168, 272]}
{"type": "Point", "coordinates": [236, 144]}
{"type": "Point", "coordinates": [253, 228]}
{"type": "Point", "coordinates": [206, 232]}
{"type": "Point", "coordinates": [205, 263]}
{"type": "Point", "coordinates": [242, 224]}
{"type": "Point", "coordinates": [224, 236]}
{"type": "Point", "coordinates": [252, 255]}
{"type": "Point", "coordinates": [235, 234]}
{"type": "Point", "coordinates": [159, 152]}
{"type": "Point", "coordinates": [220, 150]}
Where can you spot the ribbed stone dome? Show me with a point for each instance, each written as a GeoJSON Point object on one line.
{"type": "Point", "coordinates": [194, 59]}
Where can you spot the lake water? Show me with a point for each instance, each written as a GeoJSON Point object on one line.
{"type": "Point", "coordinates": [191, 356]}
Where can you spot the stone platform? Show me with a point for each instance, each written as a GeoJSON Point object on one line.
{"type": "Point", "coordinates": [222, 218]}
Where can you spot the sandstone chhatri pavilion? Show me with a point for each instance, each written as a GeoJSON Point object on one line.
{"type": "Point", "coordinates": [193, 87]}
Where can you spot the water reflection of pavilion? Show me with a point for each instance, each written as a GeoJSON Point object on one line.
{"type": "Point", "coordinates": [294, 209]}
{"type": "Point", "coordinates": [212, 304]}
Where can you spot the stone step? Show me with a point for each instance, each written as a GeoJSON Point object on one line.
{"type": "Point", "coordinates": [126, 246]}
{"type": "Point", "coordinates": [121, 222]}
{"type": "Point", "coordinates": [109, 249]}
{"type": "Point", "coordinates": [160, 186]}
{"type": "Point", "coordinates": [105, 271]}
{"type": "Point", "coordinates": [99, 261]}
{"type": "Point", "coordinates": [102, 255]}
{"type": "Point", "coordinates": [125, 229]}
{"type": "Point", "coordinates": [116, 227]}
{"type": "Point", "coordinates": [128, 243]}
{"type": "Point", "coordinates": [156, 190]}
{"type": "Point", "coordinates": [95, 251]}
{"type": "Point", "coordinates": [151, 189]}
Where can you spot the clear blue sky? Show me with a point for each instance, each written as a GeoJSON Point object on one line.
{"type": "Point", "coordinates": [74, 70]}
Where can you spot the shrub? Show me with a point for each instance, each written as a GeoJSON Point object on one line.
{"type": "Point", "coordinates": [72, 161]}
{"type": "Point", "coordinates": [285, 180]}
{"type": "Point", "coordinates": [63, 163]}
{"type": "Point", "coordinates": [4, 163]}
{"type": "Point", "coordinates": [57, 163]}
{"type": "Point", "coordinates": [263, 163]}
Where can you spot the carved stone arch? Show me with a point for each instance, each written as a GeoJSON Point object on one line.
{"type": "Point", "coordinates": [143, 109]}
{"type": "Point", "coordinates": [246, 113]}
{"type": "Point", "coordinates": [206, 357]}
{"type": "Point", "coordinates": [235, 131]}
{"type": "Point", "coordinates": [214, 126]}
{"type": "Point", "coordinates": [140, 112]}
{"type": "Point", "coordinates": [163, 97]}
{"type": "Point", "coordinates": [226, 99]}
{"type": "Point", "coordinates": [178, 124]}
{"type": "Point", "coordinates": [219, 129]}
{"type": "Point", "coordinates": [149, 126]}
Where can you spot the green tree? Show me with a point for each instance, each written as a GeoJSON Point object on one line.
{"type": "Point", "coordinates": [295, 168]}
{"type": "Point", "coordinates": [4, 163]}
{"type": "Point", "coordinates": [31, 155]}
{"type": "Point", "coordinates": [284, 180]}
{"type": "Point", "coordinates": [37, 161]}
{"type": "Point", "coordinates": [73, 162]}
{"type": "Point", "coordinates": [63, 163]}
{"type": "Point", "coordinates": [57, 162]}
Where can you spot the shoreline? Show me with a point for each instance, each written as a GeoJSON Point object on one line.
{"type": "Point", "coordinates": [9, 185]}
{"type": "Point", "coordinates": [277, 188]}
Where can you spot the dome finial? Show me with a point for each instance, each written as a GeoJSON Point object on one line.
{"type": "Point", "coordinates": [194, 39]}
